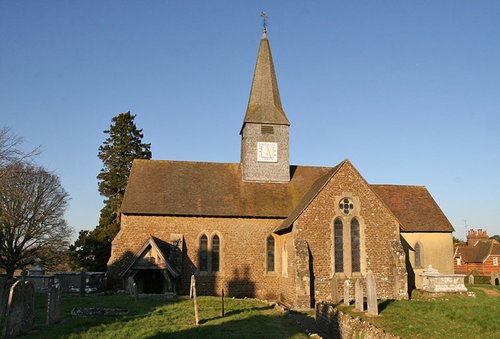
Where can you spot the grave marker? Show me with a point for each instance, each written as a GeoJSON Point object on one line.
{"type": "Point", "coordinates": [347, 291]}
{"type": "Point", "coordinates": [54, 304]}
{"type": "Point", "coordinates": [358, 293]}
{"type": "Point", "coordinates": [371, 294]}
{"type": "Point", "coordinates": [20, 309]}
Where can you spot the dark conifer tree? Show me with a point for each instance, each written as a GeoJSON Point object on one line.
{"type": "Point", "coordinates": [121, 147]}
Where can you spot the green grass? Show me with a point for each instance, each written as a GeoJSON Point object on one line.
{"type": "Point", "coordinates": [158, 318]}
{"type": "Point", "coordinates": [456, 316]}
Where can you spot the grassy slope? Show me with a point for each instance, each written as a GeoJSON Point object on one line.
{"type": "Point", "coordinates": [156, 318]}
{"type": "Point", "coordinates": [453, 316]}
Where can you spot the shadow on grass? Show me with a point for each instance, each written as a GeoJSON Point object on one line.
{"type": "Point", "coordinates": [75, 325]}
{"type": "Point", "coordinates": [238, 311]}
{"type": "Point", "coordinates": [383, 305]}
{"type": "Point", "coordinates": [258, 326]}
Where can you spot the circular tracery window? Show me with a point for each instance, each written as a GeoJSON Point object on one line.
{"type": "Point", "coordinates": [346, 205]}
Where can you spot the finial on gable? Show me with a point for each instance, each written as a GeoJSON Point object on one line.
{"type": "Point", "coordinates": [264, 24]}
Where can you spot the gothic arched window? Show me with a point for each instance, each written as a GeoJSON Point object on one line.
{"type": "Point", "coordinates": [338, 234]}
{"type": "Point", "coordinates": [270, 253]}
{"type": "Point", "coordinates": [215, 253]}
{"type": "Point", "coordinates": [203, 253]}
{"type": "Point", "coordinates": [355, 248]}
{"type": "Point", "coordinates": [418, 255]}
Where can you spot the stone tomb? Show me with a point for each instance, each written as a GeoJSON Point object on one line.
{"type": "Point", "coordinates": [435, 282]}
{"type": "Point", "coordinates": [20, 309]}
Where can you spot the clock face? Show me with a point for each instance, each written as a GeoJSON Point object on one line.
{"type": "Point", "coordinates": [267, 151]}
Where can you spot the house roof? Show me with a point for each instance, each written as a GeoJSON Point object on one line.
{"type": "Point", "coordinates": [162, 187]}
{"type": "Point", "coordinates": [479, 251]}
{"type": "Point", "coordinates": [264, 104]}
{"type": "Point", "coordinates": [414, 207]}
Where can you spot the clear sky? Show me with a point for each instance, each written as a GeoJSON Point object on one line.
{"type": "Point", "coordinates": [409, 91]}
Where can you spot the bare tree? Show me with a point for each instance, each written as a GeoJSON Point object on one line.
{"type": "Point", "coordinates": [32, 224]}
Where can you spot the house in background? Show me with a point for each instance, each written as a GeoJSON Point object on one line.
{"type": "Point", "coordinates": [479, 253]}
{"type": "Point", "coordinates": [268, 229]}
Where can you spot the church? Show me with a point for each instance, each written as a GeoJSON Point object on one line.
{"type": "Point", "coordinates": [265, 228]}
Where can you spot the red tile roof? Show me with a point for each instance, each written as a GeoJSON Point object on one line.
{"type": "Point", "coordinates": [414, 207]}
{"type": "Point", "coordinates": [478, 252]}
{"type": "Point", "coordinates": [162, 187]}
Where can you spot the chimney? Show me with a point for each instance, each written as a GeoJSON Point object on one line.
{"type": "Point", "coordinates": [473, 236]}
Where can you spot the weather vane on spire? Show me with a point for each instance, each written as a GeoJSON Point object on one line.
{"type": "Point", "coordinates": [264, 18]}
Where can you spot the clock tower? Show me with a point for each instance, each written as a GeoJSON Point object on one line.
{"type": "Point", "coordinates": [264, 134]}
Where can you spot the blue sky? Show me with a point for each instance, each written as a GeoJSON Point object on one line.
{"type": "Point", "coordinates": [409, 91]}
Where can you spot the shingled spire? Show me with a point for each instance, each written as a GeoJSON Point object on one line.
{"type": "Point", "coordinates": [264, 105]}
{"type": "Point", "coordinates": [264, 134]}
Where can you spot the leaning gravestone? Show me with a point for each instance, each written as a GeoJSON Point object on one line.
{"type": "Point", "coordinates": [20, 309]}
{"type": "Point", "coordinates": [358, 296]}
{"type": "Point", "coordinates": [130, 285]}
{"type": "Point", "coordinates": [347, 293]}
{"type": "Point", "coordinates": [371, 294]}
{"type": "Point", "coordinates": [54, 304]}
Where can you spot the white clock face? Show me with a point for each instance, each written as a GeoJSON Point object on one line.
{"type": "Point", "coordinates": [267, 151]}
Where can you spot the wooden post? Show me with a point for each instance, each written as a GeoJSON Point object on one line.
{"type": "Point", "coordinates": [222, 299]}
{"type": "Point", "coordinates": [193, 289]}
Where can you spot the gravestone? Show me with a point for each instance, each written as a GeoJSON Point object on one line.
{"type": "Point", "coordinates": [54, 304]}
{"type": "Point", "coordinates": [136, 292]}
{"type": "Point", "coordinates": [335, 290]}
{"type": "Point", "coordinates": [5, 285]}
{"type": "Point", "coordinates": [130, 285]}
{"type": "Point", "coordinates": [471, 279]}
{"type": "Point", "coordinates": [358, 296]}
{"type": "Point", "coordinates": [347, 291]}
{"type": "Point", "coordinates": [371, 294]}
{"type": "Point", "coordinates": [20, 309]}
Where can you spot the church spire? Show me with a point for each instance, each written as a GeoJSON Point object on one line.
{"type": "Point", "coordinates": [264, 105]}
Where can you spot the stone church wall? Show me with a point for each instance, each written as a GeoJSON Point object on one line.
{"type": "Point", "coordinates": [381, 250]}
{"type": "Point", "coordinates": [242, 254]}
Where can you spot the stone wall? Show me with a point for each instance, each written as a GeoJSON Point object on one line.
{"type": "Point", "coordinates": [243, 269]}
{"type": "Point", "coordinates": [336, 324]}
{"type": "Point", "coordinates": [381, 249]}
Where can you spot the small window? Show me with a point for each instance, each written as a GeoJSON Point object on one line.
{"type": "Point", "coordinates": [338, 233]}
{"type": "Point", "coordinates": [270, 253]}
{"type": "Point", "coordinates": [203, 253]}
{"type": "Point", "coordinates": [284, 260]}
{"type": "Point", "coordinates": [346, 205]}
{"type": "Point", "coordinates": [418, 255]}
{"type": "Point", "coordinates": [267, 129]}
{"type": "Point", "coordinates": [459, 261]}
{"type": "Point", "coordinates": [495, 261]}
{"type": "Point", "coordinates": [215, 253]}
{"type": "Point", "coordinates": [355, 248]}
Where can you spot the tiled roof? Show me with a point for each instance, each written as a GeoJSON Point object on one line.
{"type": "Point", "coordinates": [414, 207]}
{"type": "Point", "coordinates": [479, 251]}
{"type": "Point", "coordinates": [161, 187]}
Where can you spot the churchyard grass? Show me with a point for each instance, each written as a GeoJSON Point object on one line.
{"type": "Point", "coordinates": [456, 316]}
{"type": "Point", "coordinates": [174, 318]}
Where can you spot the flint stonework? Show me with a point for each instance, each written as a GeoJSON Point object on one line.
{"type": "Point", "coordinates": [335, 290]}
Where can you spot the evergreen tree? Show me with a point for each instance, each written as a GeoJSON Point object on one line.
{"type": "Point", "coordinates": [124, 144]}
